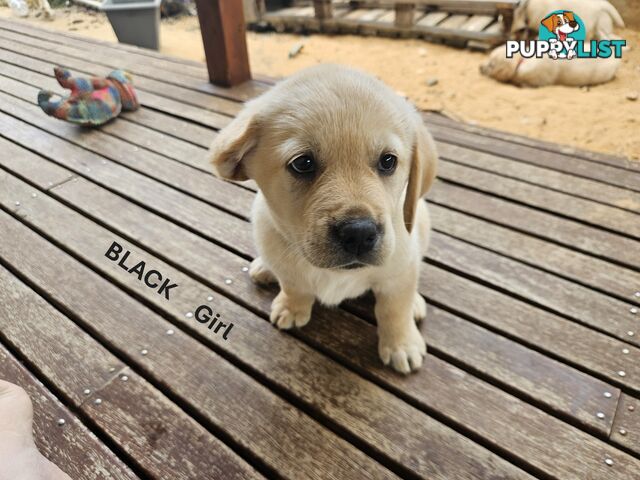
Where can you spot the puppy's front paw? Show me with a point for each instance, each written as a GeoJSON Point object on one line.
{"type": "Point", "coordinates": [287, 312]}
{"type": "Point", "coordinates": [260, 274]}
{"type": "Point", "coordinates": [419, 308]}
{"type": "Point", "coordinates": [403, 352]}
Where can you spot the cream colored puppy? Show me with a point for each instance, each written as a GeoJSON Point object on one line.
{"type": "Point", "coordinates": [342, 163]}
{"type": "Point", "coordinates": [598, 16]}
{"type": "Point", "coordinates": [540, 72]}
{"type": "Point", "coordinates": [41, 6]}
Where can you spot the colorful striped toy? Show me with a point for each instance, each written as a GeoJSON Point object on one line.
{"type": "Point", "coordinates": [93, 101]}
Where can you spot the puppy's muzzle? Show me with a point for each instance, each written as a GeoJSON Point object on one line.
{"type": "Point", "coordinates": [357, 236]}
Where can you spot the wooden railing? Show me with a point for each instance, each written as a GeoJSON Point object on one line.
{"type": "Point", "coordinates": [222, 23]}
{"type": "Point", "coordinates": [405, 10]}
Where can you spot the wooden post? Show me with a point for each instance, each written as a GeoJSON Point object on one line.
{"type": "Point", "coordinates": [507, 20]}
{"type": "Point", "coordinates": [404, 15]}
{"type": "Point", "coordinates": [323, 9]}
{"type": "Point", "coordinates": [222, 26]}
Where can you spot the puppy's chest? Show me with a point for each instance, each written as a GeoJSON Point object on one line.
{"type": "Point", "coordinates": [332, 288]}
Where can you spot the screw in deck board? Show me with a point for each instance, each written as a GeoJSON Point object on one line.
{"type": "Point", "coordinates": [61, 421]}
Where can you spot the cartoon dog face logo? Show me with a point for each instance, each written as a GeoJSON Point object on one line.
{"type": "Point", "coordinates": [561, 24]}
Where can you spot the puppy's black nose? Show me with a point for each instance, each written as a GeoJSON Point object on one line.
{"type": "Point", "coordinates": [573, 24]}
{"type": "Point", "coordinates": [357, 236]}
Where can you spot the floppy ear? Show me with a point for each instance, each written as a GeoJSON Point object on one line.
{"type": "Point", "coordinates": [422, 172]}
{"type": "Point", "coordinates": [550, 22]}
{"type": "Point", "coordinates": [231, 146]}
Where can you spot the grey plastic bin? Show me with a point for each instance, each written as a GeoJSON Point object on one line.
{"type": "Point", "coordinates": [136, 22]}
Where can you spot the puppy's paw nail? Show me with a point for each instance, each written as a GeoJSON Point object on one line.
{"type": "Point", "coordinates": [405, 356]}
{"type": "Point", "coordinates": [282, 319]}
{"type": "Point", "coordinates": [419, 308]}
{"type": "Point", "coordinates": [284, 316]}
{"type": "Point", "coordinates": [286, 319]}
{"type": "Point", "coordinates": [260, 274]}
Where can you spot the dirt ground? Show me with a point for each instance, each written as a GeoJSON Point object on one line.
{"type": "Point", "coordinates": [435, 77]}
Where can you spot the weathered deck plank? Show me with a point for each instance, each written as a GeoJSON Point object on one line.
{"type": "Point", "coordinates": [552, 179]}
{"type": "Point", "coordinates": [626, 426]}
{"type": "Point", "coordinates": [562, 261]}
{"type": "Point", "coordinates": [557, 337]}
{"type": "Point", "coordinates": [160, 449]}
{"type": "Point", "coordinates": [586, 211]}
{"type": "Point", "coordinates": [73, 446]}
{"type": "Point", "coordinates": [181, 76]}
{"type": "Point", "coordinates": [584, 305]}
{"type": "Point", "coordinates": [539, 224]}
{"type": "Point", "coordinates": [432, 118]}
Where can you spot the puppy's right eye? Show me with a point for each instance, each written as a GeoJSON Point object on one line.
{"type": "Point", "coordinates": [303, 165]}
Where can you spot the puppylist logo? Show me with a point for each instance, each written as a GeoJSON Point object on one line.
{"type": "Point", "coordinates": [562, 35]}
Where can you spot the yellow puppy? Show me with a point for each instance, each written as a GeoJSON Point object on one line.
{"type": "Point", "coordinates": [342, 163]}
{"type": "Point", "coordinates": [540, 72]}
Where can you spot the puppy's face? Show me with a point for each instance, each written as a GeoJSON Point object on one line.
{"type": "Point", "coordinates": [499, 67]}
{"type": "Point", "coordinates": [332, 151]}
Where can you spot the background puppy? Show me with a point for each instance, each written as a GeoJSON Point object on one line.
{"type": "Point", "coordinates": [539, 72]}
{"type": "Point", "coordinates": [342, 163]}
{"type": "Point", "coordinates": [43, 6]}
{"type": "Point", "coordinates": [598, 16]}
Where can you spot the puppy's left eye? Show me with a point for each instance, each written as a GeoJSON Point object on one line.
{"type": "Point", "coordinates": [387, 163]}
{"type": "Point", "coordinates": [303, 165]}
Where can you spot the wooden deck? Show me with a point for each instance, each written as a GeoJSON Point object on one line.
{"type": "Point", "coordinates": [531, 279]}
{"type": "Point", "coordinates": [479, 24]}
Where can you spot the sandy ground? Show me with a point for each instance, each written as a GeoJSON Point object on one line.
{"type": "Point", "coordinates": [600, 118]}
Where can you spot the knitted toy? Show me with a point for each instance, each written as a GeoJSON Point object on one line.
{"type": "Point", "coordinates": [93, 101]}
